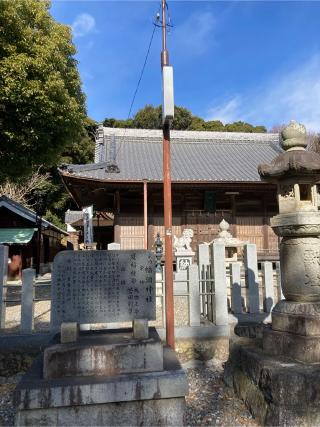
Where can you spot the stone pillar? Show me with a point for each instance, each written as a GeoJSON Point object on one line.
{"type": "Point", "coordinates": [194, 295]}
{"type": "Point", "coordinates": [4, 251]}
{"type": "Point", "coordinates": [220, 285]}
{"type": "Point", "coordinates": [203, 255]}
{"type": "Point", "coordinates": [251, 269]}
{"type": "Point", "coordinates": [27, 297]}
{"type": "Point", "coordinates": [236, 300]}
{"type": "Point", "coordinates": [267, 274]}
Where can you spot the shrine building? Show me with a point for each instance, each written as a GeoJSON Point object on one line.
{"type": "Point", "coordinates": [214, 176]}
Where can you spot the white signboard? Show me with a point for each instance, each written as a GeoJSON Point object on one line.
{"type": "Point", "coordinates": [168, 97]}
{"type": "Point", "coordinates": [87, 225]}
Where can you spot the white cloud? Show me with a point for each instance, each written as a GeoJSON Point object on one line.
{"type": "Point", "coordinates": [195, 35]}
{"type": "Point", "coordinates": [83, 24]}
{"type": "Point", "coordinates": [287, 96]}
{"type": "Point", "coordinates": [228, 111]}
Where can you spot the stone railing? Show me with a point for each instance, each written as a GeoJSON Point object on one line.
{"type": "Point", "coordinates": [209, 297]}
{"type": "Point", "coordinates": [252, 287]}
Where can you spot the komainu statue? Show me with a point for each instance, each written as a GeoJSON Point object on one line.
{"type": "Point", "coordinates": [183, 243]}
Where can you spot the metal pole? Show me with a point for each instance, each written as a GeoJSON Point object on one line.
{"type": "Point", "coordinates": [145, 214]}
{"type": "Point", "coordinates": [167, 203]}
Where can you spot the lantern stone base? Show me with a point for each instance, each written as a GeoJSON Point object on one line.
{"type": "Point", "coordinates": [277, 390]}
{"type": "Point", "coordinates": [297, 318]}
{"type": "Point", "coordinates": [295, 331]}
{"type": "Point", "coordinates": [296, 347]}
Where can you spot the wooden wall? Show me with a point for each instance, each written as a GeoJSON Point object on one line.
{"type": "Point", "coordinates": [248, 215]}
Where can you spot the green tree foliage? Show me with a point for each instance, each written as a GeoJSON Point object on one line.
{"type": "Point", "coordinates": [214, 125]}
{"type": "Point", "coordinates": [197, 124]}
{"type": "Point", "coordinates": [41, 102]}
{"type": "Point", "coordinates": [114, 123]}
{"type": "Point", "coordinates": [54, 196]}
{"type": "Point", "coordinates": [244, 127]}
{"type": "Point", "coordinates": [150, 117]}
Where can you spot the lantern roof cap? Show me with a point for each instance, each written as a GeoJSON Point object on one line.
{"type": "Point", "coordinates": [296, 160]}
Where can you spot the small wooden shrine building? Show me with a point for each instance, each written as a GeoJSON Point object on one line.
{"type": "Point", "coordinates": [214, 176]}
{"type": "Point", "coordinates": [32, 241]}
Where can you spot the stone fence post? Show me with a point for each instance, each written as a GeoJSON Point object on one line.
{"type": "Point", "coordinates": [252, 281]}
{"type": "Point", "coordinates": [203, 255]}
{"type": "Point", "coordinates": [194, 295]}
{"type": "Point", "coordinates": [27, 300]}
{"type": "Point", "coordinates": [113, 246]}
{"type": "Point", "coordinates": [268, 295]}
{"type": "Point", "coordinates": [3, 283]}
{"type": "Point", "coordinates": [220, 284]}
{"type": "Point", "coordinates": [236, 300]}
{"type": "Point", "coordinates": [204, 268]}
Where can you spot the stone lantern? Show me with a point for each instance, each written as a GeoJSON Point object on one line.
{"type": "Point", "coordinates": [280, 382]}
{"type": "Point", "coordinates": [296, 320]}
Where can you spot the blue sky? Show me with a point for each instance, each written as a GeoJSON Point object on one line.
{"type": "Point", "coordinates": [252, 61]}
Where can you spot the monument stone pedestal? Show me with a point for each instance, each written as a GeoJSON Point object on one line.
{"type": "Point", "coordinates": [106, 377]}
{"type": "Point", "coordinates": [279, 381]}
{"type": "Point", "coordinates": [102, 381]}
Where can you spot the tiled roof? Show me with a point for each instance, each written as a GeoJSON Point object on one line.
{"type": "Point", "coordinates": [196, 156]}
{"type": "Point", "coordinates": [72, 216]}
{"type": "Point", "coordinates": [27, 213]}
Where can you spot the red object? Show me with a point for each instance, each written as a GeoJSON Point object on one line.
{"type": "Point", "coordinates": [15, 267]}
{"type": "Point", "coordinates": [168, 237]}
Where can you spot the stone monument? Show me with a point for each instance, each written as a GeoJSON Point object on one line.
{"type": "Point", "coordinates": [183, 251]}
{"type": "Point", "coordinates": [104, 377]}
{"type": "Point", "coordinates": [280, 382]}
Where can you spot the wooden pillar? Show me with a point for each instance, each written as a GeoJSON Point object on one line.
{"type": "Point", "coordinates": [234, 215]}
{"type": "Point", "coordinates": [116, 227]}
{"type": "Point", "coordinates": [145, 214]}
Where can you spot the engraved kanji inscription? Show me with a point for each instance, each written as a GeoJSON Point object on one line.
{"type": "Point", "coordinates": [103, 286]}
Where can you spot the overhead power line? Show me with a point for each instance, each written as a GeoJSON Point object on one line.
{"type": "Point", "coordinates": [142, 71]}
{"type": "Point", "coordinates": [138, 84]}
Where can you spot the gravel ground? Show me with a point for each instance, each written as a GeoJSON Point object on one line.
{"type": "Point", "coordinates": [210, 402]}
{"type": "Point", "coordinates": [6, 407]}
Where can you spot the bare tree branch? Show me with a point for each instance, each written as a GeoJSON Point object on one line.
{"type": "Point", "coordinates": [22, 191]}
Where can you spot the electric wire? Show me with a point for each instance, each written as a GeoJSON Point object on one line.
{"type": "Point", "coordinates": [138, 86]}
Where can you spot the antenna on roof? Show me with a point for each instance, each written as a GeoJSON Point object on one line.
{"type": "Point", "coordinates": [112, 166]}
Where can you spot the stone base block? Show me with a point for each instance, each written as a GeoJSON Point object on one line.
{"type": "Point", "coordinates": [165, 412]}
{"type": "Point", "coordinates": [276, 390]}
{"type": "Point", "coordinates": [149, 398]}
{"type": "Point", "coordinates": [297, 318]}
{"type": "Point", "coordinates": [305, 349]}
{"type": "Point", "coordinates": [110, 353]}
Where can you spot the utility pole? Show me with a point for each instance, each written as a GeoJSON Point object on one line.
{"type": "Point", "coordinates": [168, 113]}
